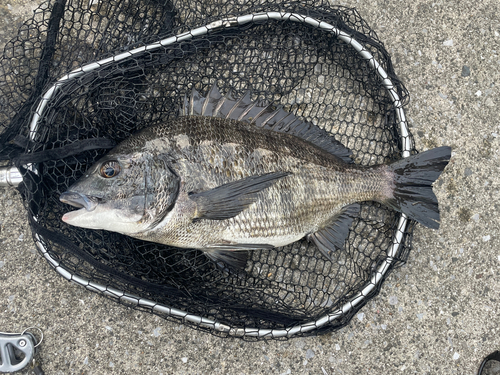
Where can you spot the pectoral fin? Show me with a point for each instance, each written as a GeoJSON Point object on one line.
{"type": "Point", "coordinates": [333, 236]}
{"type": "Point", "coordinates": [228, 200]}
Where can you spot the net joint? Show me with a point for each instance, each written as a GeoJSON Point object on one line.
{"type": "Point", "coordinates": [221, 24]}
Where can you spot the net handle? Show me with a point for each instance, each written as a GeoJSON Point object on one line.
{"type": "Point", "coordinates": [222, 24]}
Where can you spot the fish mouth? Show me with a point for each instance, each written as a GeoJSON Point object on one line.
{"type": "Point", "coordinates": [79, 200]}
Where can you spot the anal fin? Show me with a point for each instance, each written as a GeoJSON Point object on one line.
{"type": "Point", "coordinates": [333, 236]}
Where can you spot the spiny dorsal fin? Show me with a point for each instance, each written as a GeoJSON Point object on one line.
{"type": "Point", "coordinates": [263, 115]}
{"type": "Point", "coordinates": [213, 97]}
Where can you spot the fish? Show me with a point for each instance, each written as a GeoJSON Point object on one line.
{"type": "Point", "coordinates": [230, 175]}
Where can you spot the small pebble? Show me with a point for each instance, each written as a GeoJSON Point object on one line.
{"type": "Point", "coordinates": [309, 354]}
{"type": "Point", "coordinates": [448, 42]}
{"type": "Point", "coordinates": [486, 238]}
{"type": "Point", "coordinates": [456, 356]}
{"type": "Point", "coordinates": [465, 71]}
{"type": "Point", "coordinates": [361, 316]}
{"type": "Point", "coordinates": [393, 300]}
{"type": "Point", "coordinates": [184, 359]}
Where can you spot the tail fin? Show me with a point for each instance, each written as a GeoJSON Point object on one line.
{"type": "Point", "coordinates": [413, 178]}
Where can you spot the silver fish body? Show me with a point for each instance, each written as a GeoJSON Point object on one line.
{"type": "Point", "coordinates": [221, 184]}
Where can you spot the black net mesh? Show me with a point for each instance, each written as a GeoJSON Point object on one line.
{"type": "Point", "coordinates": [310, 71]}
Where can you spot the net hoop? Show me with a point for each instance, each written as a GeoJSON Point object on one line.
{"type": "Point", "coordinates": [222, 24]}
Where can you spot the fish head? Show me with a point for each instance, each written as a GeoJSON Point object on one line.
{"type": "Point", "coordinates": [128, 193]}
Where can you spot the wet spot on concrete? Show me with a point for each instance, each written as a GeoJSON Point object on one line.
{"type": "Point", "coordinates": [464, 215]}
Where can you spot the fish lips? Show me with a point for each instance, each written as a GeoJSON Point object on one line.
{"type": "Point", "coordinates": [79, 200]}
{"type": "Point", "coordinates": [98, 213]}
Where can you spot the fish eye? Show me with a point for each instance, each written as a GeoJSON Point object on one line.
{"type": "Point", "coordinates": [110, 169]}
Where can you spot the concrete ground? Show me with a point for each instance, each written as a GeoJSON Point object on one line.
{"type": "Point", "coordinates": [438, 314]}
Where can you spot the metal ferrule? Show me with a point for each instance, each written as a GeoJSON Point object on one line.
{"type": "Point", "coordinates": [10, 176]}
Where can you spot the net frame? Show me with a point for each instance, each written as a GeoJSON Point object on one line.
{"type": "Point", "coordinates": [352, 304]}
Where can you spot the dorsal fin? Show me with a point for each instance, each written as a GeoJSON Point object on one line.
{"type": "Point", "coordinates": [261, 114]}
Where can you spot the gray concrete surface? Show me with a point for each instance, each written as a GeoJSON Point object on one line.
{"type": "Point", "coordinates": [438, 314]}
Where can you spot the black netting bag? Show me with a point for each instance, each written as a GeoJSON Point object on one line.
{"type": "Point", "coordinates": [83, 75]}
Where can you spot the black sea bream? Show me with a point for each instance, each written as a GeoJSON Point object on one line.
{"type": "Point", "coordinates": [232, 174]}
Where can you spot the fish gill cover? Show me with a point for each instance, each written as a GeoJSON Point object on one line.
{"type": "Point", "coordinates": [313, 73]}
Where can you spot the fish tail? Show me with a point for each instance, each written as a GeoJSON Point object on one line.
{"type": "Point", "coordinates": [411, 191]}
